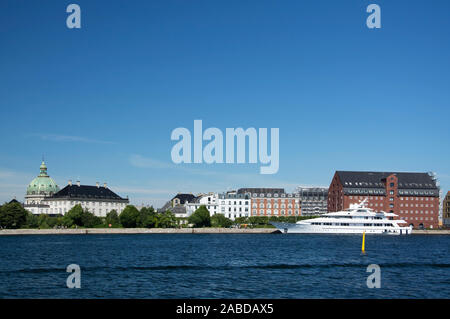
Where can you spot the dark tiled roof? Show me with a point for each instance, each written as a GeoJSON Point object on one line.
{"type": "Point", "coordinates": [261, 190]}
{"type": "Point", "coordinates": [377, 179]}
{"type": "Point", "coordinates": [184, 197]}
{"type": "Point", "coordinates": [175, 210]}
{"type": "Point", "coordinates": [234, 196]}
{"type": "Point", "coordinates": [87, 192]}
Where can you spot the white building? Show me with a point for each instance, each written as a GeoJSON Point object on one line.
{"type": "Point", "coordinates": [233, 205]}
{"type": "Point", "coordinates": [177, 205]}
{"type": "Point", "coordinates": [44, 197]}
{"type": "Point", "coordinates": [98, 200]}
{"type": "Point", "coordinates": [230, 204]}
{"type": "Point", "coordinates": [209, 200]}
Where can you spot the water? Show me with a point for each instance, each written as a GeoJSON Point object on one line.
{"type": "Point", "coordinates": [224, 266]}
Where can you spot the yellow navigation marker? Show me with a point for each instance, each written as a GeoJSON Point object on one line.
{"type": "Point", "coordinates": [363, 248]}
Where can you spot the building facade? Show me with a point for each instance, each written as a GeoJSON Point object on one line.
{"type": "Point", "coordinates": [314, 200]}
{"type": "Point", "coordinates": [272, 202]}
{"type": "Point", "coordinates": [414, 197]}
{"type": "Point", "coordinates": [44, 196]}
{"type": "Point", "coordinates": [446, 209]}
{"type": "Point", "coordinates": [209, 200]}
{"type": "Point", "coordinates": [177, 205]}
{"type": "Point", "coordinates": [98, 200]}
{"type": "Point", "coordinates": [230, 204]}
{"type": "Point", "coordinates": [233, 204]}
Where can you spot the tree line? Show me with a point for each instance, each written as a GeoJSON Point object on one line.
{"type": "Point", "coordinates": [202, 218]}
{"type": "Point", "coordinates": [13, 216]}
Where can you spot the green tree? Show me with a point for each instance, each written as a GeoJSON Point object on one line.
{"type": "Point", "coordinates": [242, 220]}
{"type": "Point", "coordinates": [129, 217]}
{"type": "Point", "coordinates": [112, 218]}
{"type": "Point", "coordinates": [253, 220]}
{"type": "Point", "coordinates": [90, 220]}
{"type": "Point", "coordinates": [167, 220]}
{"type": "Point", "coordinates": [32, 221]}
{"type": "Point", "coordinates": [43, 221]}
{"type": "Point", "coordinates": [259, 221]}
{"type": "Point", "coordinates": [147, 217]}
{"type": "Point", "coordinates": [200, 218]}
{"type": "Point", "coordinates": [219, 220]}
{"type": "Point", "coordinates": [12, 215]}
{"type": "Point", "coordinates": [74, 217]}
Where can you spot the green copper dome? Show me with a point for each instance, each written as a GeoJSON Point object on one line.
{"type": "Point", "coordinates": [43, 184]}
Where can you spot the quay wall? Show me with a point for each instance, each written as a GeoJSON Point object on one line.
{"type": "Point", "coordinates": [87, 231]}
{"type": "Point", "coordinates": [92, 231]}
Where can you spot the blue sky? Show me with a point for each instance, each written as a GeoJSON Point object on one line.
{"type": "Point", "coordinates": [101, 102]}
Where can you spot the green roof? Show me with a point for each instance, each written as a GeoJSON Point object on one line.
{"type": "Point", "coordinates": [43, 184]}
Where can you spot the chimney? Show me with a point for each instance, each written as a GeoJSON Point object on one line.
{"type": "Point", "coordinates": [97, 184]}
{"type": "Point", "coordinates": [78, 183]}
{"type": "Point", "coordinates": [70, 182]}
{"type": "Point", "coordinates": [104, 185]}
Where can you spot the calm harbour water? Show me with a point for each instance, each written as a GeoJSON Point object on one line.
{"type": "Point", "coordinates": [224, 266]}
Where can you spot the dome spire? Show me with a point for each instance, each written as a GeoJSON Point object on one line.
{"type": "Point", "coordinates": [43, 169]}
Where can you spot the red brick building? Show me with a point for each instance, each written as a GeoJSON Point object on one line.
{"type": "Point", "coordinates": [273, 202]}
{"type": "Point", "coordinates": [414, 197]}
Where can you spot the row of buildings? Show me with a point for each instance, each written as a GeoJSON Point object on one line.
{"type": "Point", "coordinates": [246, 202]}
{"type": "Point", "coordinates": [414, 197]}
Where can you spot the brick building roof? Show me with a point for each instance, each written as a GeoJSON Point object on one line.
{"type": "Point", "coordinates": [352, 179]}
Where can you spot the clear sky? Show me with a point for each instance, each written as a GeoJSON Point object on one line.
{"type": "Point", "coordinates": [101, 102]}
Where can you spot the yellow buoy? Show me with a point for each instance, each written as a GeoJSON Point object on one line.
{"type": "Point", "coordinates": [363, 248]}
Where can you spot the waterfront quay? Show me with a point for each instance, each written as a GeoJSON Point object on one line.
{"type": "Point", "coordinates": [207, 230]}
{"type": "Point", "coordinates": [93, 231]}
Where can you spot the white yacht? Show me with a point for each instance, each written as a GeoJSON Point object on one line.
{"type": "Point", "coordinates": [355, 220]}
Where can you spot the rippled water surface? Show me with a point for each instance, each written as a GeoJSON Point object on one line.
{"type": "Point", "coordinates": [224, 266]}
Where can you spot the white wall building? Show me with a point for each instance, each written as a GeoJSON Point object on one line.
{"type": "Point", "coordinates": [209, 200]}
{"type": "Point", "coordinates": [230, 204]}
{"type": "Point", "coordinates": [233, 205]}
{"type": "Point", "coordinates": [98, 200]}
{"type": "Point", "coordinates": [44, 197]}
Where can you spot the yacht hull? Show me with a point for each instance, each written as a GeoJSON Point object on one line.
{"type": "Point", "coordinates": [291, 228]}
